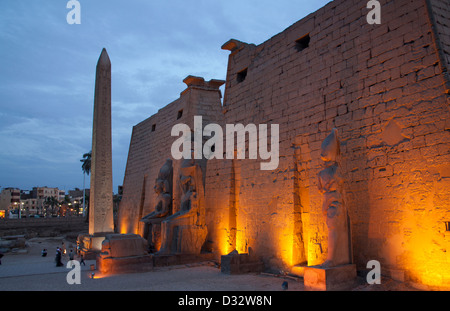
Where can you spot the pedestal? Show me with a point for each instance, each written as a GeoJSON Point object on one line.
{"type": "Point", "coordinates": [330, 279]}
{"type": "Point", "coordinates": [90, 245]}
{"type": "Point", "coordinates": [132, 264]}
{"type": "Point", "coordinates": [235, 263]}
{"type": "Point", "coordinates": [124, 253]}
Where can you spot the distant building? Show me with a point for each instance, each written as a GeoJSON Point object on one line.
{"type": "Point", "coordinates": [76, 199]}
{"type": "Point", "coordinates": [38, 202]}
{"type": "Point", "coordinates": [9, 201]}
{"type": "Point", "coordinates": [76, 193]}
{"type": "Point", "coordinates": [45, 192]}
{"type": "Point", "coordinates": [34, 202]}
{"type": "Point", "coordinates": [29, 204]}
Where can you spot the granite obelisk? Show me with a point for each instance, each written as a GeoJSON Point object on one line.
{"type": "Point", "coordinates": [101, 192]}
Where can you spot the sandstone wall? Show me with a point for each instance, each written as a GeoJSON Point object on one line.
{"type": "Point", "coordinates": [382, 86]}
{"type": "Point", "coordinates": [439, 12]}
{"type": "Point", "coordinates": [150, 146]}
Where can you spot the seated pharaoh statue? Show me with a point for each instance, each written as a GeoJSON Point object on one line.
{"type": "Point", "coordinates": [184, 232]}
{"type": "Point", "coordinates": [163, 207]}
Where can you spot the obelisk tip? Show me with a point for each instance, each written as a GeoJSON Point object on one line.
{"type": "Point", "coordinates": [104, 58]}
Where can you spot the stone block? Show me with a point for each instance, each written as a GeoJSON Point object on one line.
{"type": "Point", "coordinates": [96, 242]}
{"type": "Point", "coordinates": [131, 264]}
{"type": "Point", "coordinates": [124, 245]}
{"type": "Point", "coordinates": [330, 279]}
{"type": "Point", "coordinates": [235, 263]}
{"type": "Point", "coordinates": [90, 245]}
{"type": "Point", "coordinates": [123, 253]}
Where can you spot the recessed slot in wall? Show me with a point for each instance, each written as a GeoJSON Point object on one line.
{"type": "Point", "coordinates": [447, 226]}
{"type": "Point", "coordinates": [153, 127]}
{"type": "Point", "coordinates": [302, 43]}
{"type": "Point", "coordinates": [241, 75]}
{"type": "Point", "coordinates": [180, 114]}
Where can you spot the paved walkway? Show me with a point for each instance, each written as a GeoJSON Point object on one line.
{"type": "Point", "coordinates": [32, 272]}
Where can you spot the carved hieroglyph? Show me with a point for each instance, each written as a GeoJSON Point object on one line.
{"type": "Point", "coordinates": [333, 208]}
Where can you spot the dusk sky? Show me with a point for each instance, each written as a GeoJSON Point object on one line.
{"type": "Point", "coordinates": [47, 72]}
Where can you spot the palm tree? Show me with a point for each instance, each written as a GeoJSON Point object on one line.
{"type": "Point", "coordinates": [51, 202]}
{"type": "Point", "coordinates": [86, 168]}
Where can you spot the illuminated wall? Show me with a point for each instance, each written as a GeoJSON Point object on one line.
{"type": "Point", "coordinates": [150, 146]}
{"type": "Point", "coordinates": [386, 90]}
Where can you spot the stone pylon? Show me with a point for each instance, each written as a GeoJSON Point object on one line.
{"type": "Point", "coordinates": [101, 192]}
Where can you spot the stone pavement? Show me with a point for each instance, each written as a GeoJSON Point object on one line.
{"type": "Point", "coordinates": [31, 272]}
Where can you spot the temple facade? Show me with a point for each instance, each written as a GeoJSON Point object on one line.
{"type": "Point", "coordinates": [383, 87]}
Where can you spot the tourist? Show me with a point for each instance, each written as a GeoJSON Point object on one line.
{"type": "Point", "coordinates": [71, 255]}
{"type": "Point", "coordinates": [44, 252]}
{"type": "Point", "coordinates": [82, 260]}
{"type": "Point", "coordinates": [58, 257]}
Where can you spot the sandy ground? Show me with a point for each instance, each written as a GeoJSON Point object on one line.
{"type": "Point", "coordinates": [31, 272]}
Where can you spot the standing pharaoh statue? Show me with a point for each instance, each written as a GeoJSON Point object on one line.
{"type": "Point", "coordinates": [333, 208]}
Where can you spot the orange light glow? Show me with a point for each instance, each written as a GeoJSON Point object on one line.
{"type": "Point", "coordinates": [126, 226]}
{"type": "Point", "coordinates": [286, 247]}
{"type": "Point", "coordinates": [426, 259]}
{"type": "Point", "coordinates": [419, 243]}
{"type": "Point", "coordinates": [225, 245]}
{"type": "Point", "coordinates": [284, 243]}
{"type": "Point", "coordinates": [100, 276]}
{"type": "Point", "coordinates": [241, 242]}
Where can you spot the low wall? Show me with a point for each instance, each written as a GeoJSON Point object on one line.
{"type": "Point", "coordinates": [32, 227]}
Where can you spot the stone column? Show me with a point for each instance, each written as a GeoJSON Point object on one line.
{"type": "Point", "coordinates": [101, 192]}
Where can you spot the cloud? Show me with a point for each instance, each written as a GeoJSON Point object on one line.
{"type": "Point", "coordinates": [47, 140]}
{"type": "Point", "coordinates": [48, 71]}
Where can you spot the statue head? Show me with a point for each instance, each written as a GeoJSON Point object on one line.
{"type": "Point", "coordinates": [166, 170]}
{"type": "Point", "coordinates": [330, 150]}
